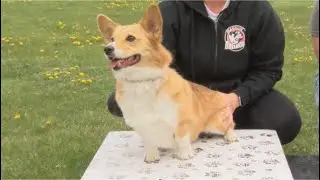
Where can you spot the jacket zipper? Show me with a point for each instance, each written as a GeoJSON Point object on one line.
{"type": "Point", "coordinates": [216, 55]}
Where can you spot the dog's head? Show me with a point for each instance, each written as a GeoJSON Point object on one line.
{"type": "Point", "coordinates": [135, 51]}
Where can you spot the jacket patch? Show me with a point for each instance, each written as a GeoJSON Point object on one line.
{"type": "Point", "coordinates": [235, 38]}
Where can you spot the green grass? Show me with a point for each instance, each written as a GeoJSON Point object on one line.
{"type": "Point", "coordinates": [63, 120]}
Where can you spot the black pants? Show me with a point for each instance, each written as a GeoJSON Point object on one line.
{"type": "Point", "coordinates": [272, 111]}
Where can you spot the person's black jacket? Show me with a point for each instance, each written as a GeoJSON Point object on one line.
{"type": "Point", "coordinates": [243, 52]}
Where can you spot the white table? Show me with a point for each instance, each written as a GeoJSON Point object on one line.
{"type": "Point", "coordinates": [257, 155]}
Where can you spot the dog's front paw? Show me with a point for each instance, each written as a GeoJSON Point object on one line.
{"type": "Point", "coordinates": [231, 136]}
{"type": "Point", "coordinates": [185, 154]}
{"type": "Point", "coordinates": [152, 156]}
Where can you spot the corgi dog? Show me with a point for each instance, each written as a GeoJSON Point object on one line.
{"type": "Point", "coordinates": [166, 110]}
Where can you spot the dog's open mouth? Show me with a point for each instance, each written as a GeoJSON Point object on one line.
{"type": "Point", "coordinates": [119, 63]}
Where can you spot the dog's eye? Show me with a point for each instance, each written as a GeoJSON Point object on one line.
{"type": "Point", "coordinates": [130, 38]}
{"type": "Point", "coordinates": [112, 39]}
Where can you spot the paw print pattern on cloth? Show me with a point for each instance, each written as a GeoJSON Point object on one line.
{"type": "Point", "coordinates": [270, 153]}
{"type": "Point", "coordinates": [213, 174]}
{"type": "Point", "coordinates": [246, 172]}
{"type": "Point", "coordinates": [213, 156]}
{"type": "Point", "coordinates": [245, 155]}
{"type": "Point", "coordinates": [180, 176]}
{"type": "Point", "coordinates": [212, 164]}
{"type": "Point", "coordinates": [271, 161]}
{"type": "Point", "coordinates": [186, 166]}
{"type": "Point", "coordinates": [249, 147]}
{"type": "Point", "coordinates": [242, 164]}
{"type": "Point", "coordinates": [265, 142]}
{"type": "Point", "coordinates": [247, 137]}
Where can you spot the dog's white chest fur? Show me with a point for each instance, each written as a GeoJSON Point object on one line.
{"type": "Point", "coordinates": [153, 116]}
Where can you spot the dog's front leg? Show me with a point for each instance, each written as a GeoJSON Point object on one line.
{"type": "Point", "coordinates": [152, 154]}
{"type": "Point", "coordinates": [182, 137]}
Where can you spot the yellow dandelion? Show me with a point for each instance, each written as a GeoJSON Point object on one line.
{"type": "Point", "coordinates": [41, 50]}
{"type": "Point", "coordinates": [73, 80]}
{"type": "Point", "coordinates": [3, 39]}
{"type": "Point", "coordinates": [12, 44]}
{"type": "Point", "coordinates": [68, 73]}
{"type": "Point", "coordinates": [73, 37]}
{"type": "Point", "coordinates": [49, 122]}
{"type": "Point", "coordinates": [50, 77]}
{"type": "Point", "coordinates": [78, 43]}
{"type": "Point", "coordinates": [83, 81]}
{"type": "Point", "coordinates": [21, 43]}
{"type": "Point", "coordinates": [7, 40]}
{"type": "Point", "coordinates": [96, 38]}
{"type": "Point", "coordinates": [56, 69]}
{"type": "Point", "coordinates": [17, 116]}
{"type": "Point", "coordinates": [81, 74]}
{"type": "Point", "coordinates": [48, 74]}
{"type": "Point", "coordinates": [55, 56]}
{"type": "Point", "coordinates": [89, 80]}
{"type": "Point", "coordinates": [73, 68]}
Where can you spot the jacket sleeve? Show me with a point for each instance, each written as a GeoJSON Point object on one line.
{"type": "Point", "coordinates": [169, 15]}
{"type": "Point", "coordinates": [266, 47]}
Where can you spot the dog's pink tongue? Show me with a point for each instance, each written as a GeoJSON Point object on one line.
{"type": "Point", "coordinates": [114, 64]}
{"type": "Point", "coordinates": [118, 64]}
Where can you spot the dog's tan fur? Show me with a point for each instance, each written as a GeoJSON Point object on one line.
{"type": "Point", "coordinates": [180, 110]}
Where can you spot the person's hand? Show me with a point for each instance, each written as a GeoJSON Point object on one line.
{"type": "Point", "coordinates": [232, 103]}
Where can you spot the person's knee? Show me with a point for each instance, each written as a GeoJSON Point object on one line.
{"type": "Point", "coordinates": [289, 128]}
{"type": "Point", "coordinates": [276, 111]}
{"type": "Point", "coordinates": [113, 106]}
{"type": "Point", "coordinates": [289, 122]}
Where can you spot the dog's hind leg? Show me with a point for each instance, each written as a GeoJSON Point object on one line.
{"type": "Point", "coordinates": [220, 125]}
{"type": "Point", "coordinates": [230, 135]}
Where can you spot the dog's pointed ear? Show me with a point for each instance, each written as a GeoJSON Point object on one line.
{"type": "Point", "coordinates": [106, 26]}
{"type": "Point", "coordinates": [152, 21]}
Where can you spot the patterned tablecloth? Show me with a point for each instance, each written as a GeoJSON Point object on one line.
{"type": "Point", "coordinates": [257, 155]}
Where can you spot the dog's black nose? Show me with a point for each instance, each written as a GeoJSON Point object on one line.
{"type": "Point", "coordinates": [108, 50]}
